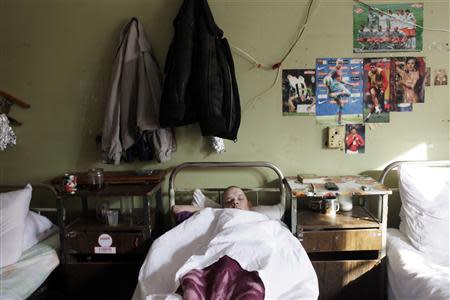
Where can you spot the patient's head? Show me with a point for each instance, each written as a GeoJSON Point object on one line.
{"type": "Point", "coordinates": [234, 197]}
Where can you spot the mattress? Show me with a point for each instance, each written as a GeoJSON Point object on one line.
{"type": "Point", "coordinates": [412, 275]}
{"type": "Point", "coordinates": [20, 280]}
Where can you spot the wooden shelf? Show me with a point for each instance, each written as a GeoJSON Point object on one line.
{"type": "Point", "coordinates": [93, 224]}
{"type": "Point", "coordinates": [115, 190]}
{"type": "Point", "coordinates": [357, 218]}
{"type": "Point", "coordinates": [118, 177]}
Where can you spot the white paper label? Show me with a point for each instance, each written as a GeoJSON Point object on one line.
{"type": "Point", "coordinates": [105, 250]}
{"type": "Point", "coordinates": [105, 240]}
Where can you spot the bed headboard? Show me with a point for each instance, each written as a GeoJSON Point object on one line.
{"type": "Point", "coordinates": [386, 179]}
{"type": "Point", "coordinates": [218, 165]}
{"type": "Point", "coordinates": [425, 163]}
{"type": "Point", "coordinates": [40, 192]}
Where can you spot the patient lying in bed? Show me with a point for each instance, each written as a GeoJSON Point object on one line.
{"type": "Point", "coordinates": [233, 197]}
{"type": "Point", "coordinates": [227, 254]}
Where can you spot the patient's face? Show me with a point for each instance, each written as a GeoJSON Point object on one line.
{"type": "Point", "coordinates": [235, 198]}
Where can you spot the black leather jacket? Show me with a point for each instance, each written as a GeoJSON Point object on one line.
{"type": "Point", "coordinates": [200, 83]}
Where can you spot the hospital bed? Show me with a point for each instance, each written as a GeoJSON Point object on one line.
{"type": "Point", "coordinates": [418, 251]}
{"type": "Point", "coordinates": [257, 242]}
{"type": "Point", "coordinates": [28, 278]}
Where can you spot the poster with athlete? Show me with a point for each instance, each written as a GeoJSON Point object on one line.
{"type": "Point", "coordinates": [299, 92]}
{"type": "Point", "coordinates": [387, 27]}
{"type": "Point", "coordinates": [376, 79]}
{"type": "Point", "coordinates": [355, 138]}
{"type": "Point", "coordinates": [407, 82]}
{"type": "Point", "coordinates": [339, 91]}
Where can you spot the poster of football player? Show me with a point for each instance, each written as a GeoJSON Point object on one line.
{"type": "Point", "coordinates": [387, 27]}
{"type": "Point", "coordinates": [299, 92]}
{"type": "Point", "coordinates": [339, 91]}
{"type": "Point", "coordinates": [407, 82]}
{"type": "Point", "coordinates": [376, 90]}
{"type": "Point", "coordinates": [355, 136]}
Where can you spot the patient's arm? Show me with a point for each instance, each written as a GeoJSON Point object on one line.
{"type": "Point", "coordinates": [189, 208]}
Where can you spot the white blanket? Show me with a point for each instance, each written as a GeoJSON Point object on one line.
{"type": "Point", "coordinates": [413, 275]}
{"type": "Point", "coordinates": [252, 239]}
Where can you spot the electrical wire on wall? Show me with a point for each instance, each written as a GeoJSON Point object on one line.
{"type": "Point", "coordinates": [301, 29]}
{"type": "Point", "coordinates": [276, 66]}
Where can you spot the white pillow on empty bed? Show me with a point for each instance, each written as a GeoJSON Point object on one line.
{"type": "Point", "coordinates": [274, 212]}
{"type": "Point", "coordinates": [424, 214]}
{"type": "Point", "coordinates": [13, 212]}
{"type": "Point", "coordinates": [37, 228]}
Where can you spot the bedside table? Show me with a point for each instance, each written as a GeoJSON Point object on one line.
{"type": "Point", "coordinates": [346, 250]}
{"type": "Point", "coordinates": [100, 261]}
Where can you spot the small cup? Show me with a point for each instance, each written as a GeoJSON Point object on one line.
{"type": "Point", "coordinates": [112, 217]}
{"type": "Point", "coordinates": [345, 202]}
{"type": "Point", "coordinates": [330, 207]}
{"type": "Point", "coordinates": [315, 204]}
{"type": "Point", "coordinates": [95, 179]}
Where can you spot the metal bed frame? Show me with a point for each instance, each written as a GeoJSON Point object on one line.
{"type": "Point", "coordinates": [281, 182]}
{"type": "Point", "coordinates": [39, 292]}
{"type": "Point", "coordinates": [36, 187]}
{"type": "Point", "coordinates": [396, 164]}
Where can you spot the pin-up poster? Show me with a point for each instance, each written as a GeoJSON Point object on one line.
{"type": "Point", "coordinates": [440, 77]}
{"type": "Point", "coordinates": [377, 103]}
{"type": "Point", "coordinates": [387, 27]}
{"type": "Point", "coordinates": [299, 92]}
{"type": "Point", "coordinates": [339, 90]}
{"type": "Point", "coordinates": [355, 138]}
{"type": "Point", "coordinates": [407, 82]}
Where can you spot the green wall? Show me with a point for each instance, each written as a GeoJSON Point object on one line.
{"type": "Point", "coordinates": [57, 55]}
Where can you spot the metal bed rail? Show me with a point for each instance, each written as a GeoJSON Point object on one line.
{"type": "Point", "coordinates": [427, 163]}
{"type": "Point", "coordinates": [216, 165]}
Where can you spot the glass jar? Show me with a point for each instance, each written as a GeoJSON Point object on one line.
{"type": "Point", "coordinates": [95, 179]}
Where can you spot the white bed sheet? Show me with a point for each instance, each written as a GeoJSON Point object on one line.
{"type": "Point", "coordinates": [411, 275]}
{"type": "Point", "coordinates": [252, 239]}
{"type": "Point", "coordinates": [19, 280]}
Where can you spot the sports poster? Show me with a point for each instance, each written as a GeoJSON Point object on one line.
{"type": "Point", "coordinates": [407, 82]}
{"type": "Point", "coordinates": [387, 27]}
{"type": "Point", "coordinates": [339, 90]}
{"type": "Point", "coordinates": [299, 92]}
{"type": "Point", "coordinates": [376, 79]}
{"type": "Point", "coordinates": [355, 138]}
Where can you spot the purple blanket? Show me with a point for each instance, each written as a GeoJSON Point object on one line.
{"type": "Point", "coordinates": [225, 279]}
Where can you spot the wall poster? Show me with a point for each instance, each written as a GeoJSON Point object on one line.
{"type": "Point", "coordinates": [440, 77]}
{"type": "Point", "coordinates": [299, 92]}
{"type": "Point", "coordinates": [339, 90]}
{"type": "Point", "coordinates": [387, 27]}
{"type": "Point", "coordinates": [407, 82]}
{"type": "Point", "coordinates": [377, 103]}
{"type": "Point", "coordinates": [355, 138]}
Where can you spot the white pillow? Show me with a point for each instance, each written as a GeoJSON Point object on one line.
{"type": "Point", "coordinates": [37, 228]}
{"type": "Point", "coordinates": [274, 212]}
{"type": "Point", "coordinates": [424, 214]}
{"type": "Point", "coordinates": [200, 200]}
{"type": "Point", "coordinates": [13, 212]}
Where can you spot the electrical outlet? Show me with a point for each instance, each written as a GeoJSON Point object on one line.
{"type": "Point", "coordinates": [336, 136]}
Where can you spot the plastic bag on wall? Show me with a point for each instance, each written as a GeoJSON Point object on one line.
{"type": "Point", "coordinates": [7, 136]}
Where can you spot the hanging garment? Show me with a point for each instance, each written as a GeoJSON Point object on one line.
{"type": "Point", "coordinates": [7, 136]}
{"type": "Point", "coordinates": [135, 94]}
{"type": "Point", "coordinates": [200, 82]}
